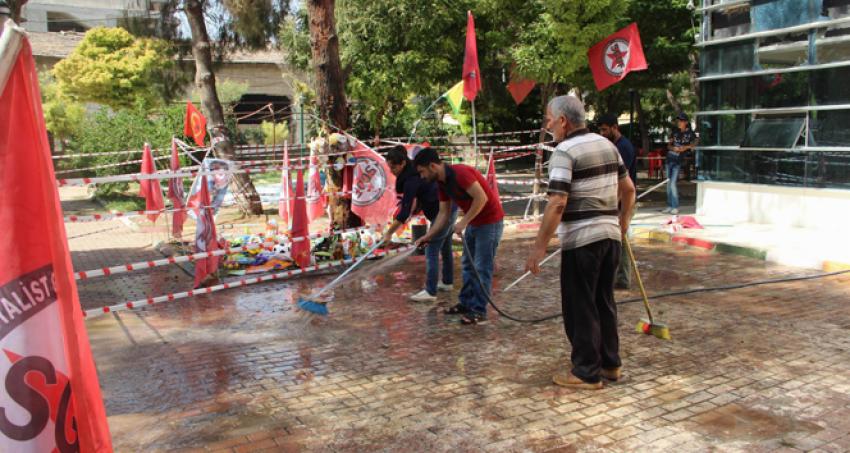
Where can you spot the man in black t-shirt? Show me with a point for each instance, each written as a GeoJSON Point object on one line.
{"type": "Point", "coordinates": [610, 129]}
{"type": "Point", "coordinates": [682, 141]}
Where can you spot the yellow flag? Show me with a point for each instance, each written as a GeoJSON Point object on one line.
{"type": "Point", "coordinates": [455, 96]}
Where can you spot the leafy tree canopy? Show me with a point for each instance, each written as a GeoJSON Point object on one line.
{"type": "Point", "coordinates": [112, 67]}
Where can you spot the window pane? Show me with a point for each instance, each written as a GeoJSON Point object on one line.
{"type": "Point", "coordinates": [731, 22]}
{"type": "Point", "coordinates": [725, 130]}
{"type": "Point", "coordinates": [830, 170]}
{"type": "Point", "coordinates": [774, 14]}
{"type": "Point", "coordinates": [773, 132]}
{"type": "Point", "coordinates": [737, 58]}
{"type": "Point", "coordinates": [783, 51]}
{"type": "Point", "coordinates": [830, 128]}
{"type": "Point", "coordinates": [782, 90]}
{"type": "Point", "coordinates": [737, 94]}
{"type": "Point", "coordinates": [831, 86]}
{"type": "Point", "coordinates": [709, 95]}
{"type": "Point", "coordinates": [834, 44]}
{"type": "Point", "coordinates": [727, 59]}
{"type": "Point", "coordinates": [730, 166]}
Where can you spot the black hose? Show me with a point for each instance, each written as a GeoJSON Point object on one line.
{"type": "Point", "coordinates": [486, 291]}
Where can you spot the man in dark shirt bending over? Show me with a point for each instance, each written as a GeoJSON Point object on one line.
{"type": "Point", "coordinates": [420, 195]}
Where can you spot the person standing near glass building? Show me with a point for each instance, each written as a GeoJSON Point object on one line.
{"type": "Point", "coordinates": [682, 141]}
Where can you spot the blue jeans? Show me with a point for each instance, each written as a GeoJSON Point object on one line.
{"type": "Point", "coordinates": [673, 167]}
{"type": "Point", "coordinates": [482, 242]}
{"type": "Point", "coordinates": [441, 245]}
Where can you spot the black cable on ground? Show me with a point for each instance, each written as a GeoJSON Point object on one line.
{"type": "Point", "coordinates": [653, 296]}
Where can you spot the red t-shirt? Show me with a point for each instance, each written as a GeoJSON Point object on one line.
{"type": "Point", "coordinates": [459, 178]}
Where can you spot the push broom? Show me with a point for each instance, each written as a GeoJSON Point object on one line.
{"type": "Point", "coordinates": [649, 327]}
{"type": "Point", "coordinates": [321, 308]}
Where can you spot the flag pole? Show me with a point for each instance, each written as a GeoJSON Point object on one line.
{"type": "Point", "coordinates": [474, 135]}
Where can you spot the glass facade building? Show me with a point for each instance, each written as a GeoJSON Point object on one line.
{"type": "Point", "coordinates": [775, 92]}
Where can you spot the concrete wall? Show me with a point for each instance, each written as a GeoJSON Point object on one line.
{"type": "Point", "coordinates": [261, 78]}
{"type": "Point", "coordinates": [825, 209]}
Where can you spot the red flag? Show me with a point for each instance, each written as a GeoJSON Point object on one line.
{"type": "Point", "coordinates": [520, 89]}
{"type": "Point", "coordinates": [284, 205]}
{"type": "Point", "coordinates": [176, 194]}
{"type": "Point", "coordinates": [49, 390]}
{"type": "Point", "coordinates": [471, 71]}
{"type": "Point", "coordinates": [317, 199]}
{"type": "Point", "coordinates": [206, 239]}
{"type": "Point", "coordinates": [300, 251]}
{"type": "Point", "coordinates": [150, 188]}
{"type": "Point", "coordinates": [195, 125]}
{"type": "Point", "coordinates": [373, 193]}
{"type": "Point", "coordinates": [615, 56]}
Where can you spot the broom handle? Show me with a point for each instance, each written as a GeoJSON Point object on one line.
{"type": "Point", "coordinates": [529, 272]}
{"type": "Point", "coordinates": [637, 274]}
{"type": "Point", "coordinates": [348, 271]}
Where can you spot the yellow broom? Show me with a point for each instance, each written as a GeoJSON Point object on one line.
{"type": "Point", "coordinates": [649, 327]}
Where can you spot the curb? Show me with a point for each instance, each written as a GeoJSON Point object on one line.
{"type": "Point", "coordinates": [721, 247]}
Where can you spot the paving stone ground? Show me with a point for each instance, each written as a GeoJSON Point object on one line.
{"type": "Point", "coordinates": [757, 369]}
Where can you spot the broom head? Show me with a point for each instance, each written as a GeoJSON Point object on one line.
{"type": "Point", "coordinates": [656, 329]}
{"type": "Point", "coordinates": [319, 308]}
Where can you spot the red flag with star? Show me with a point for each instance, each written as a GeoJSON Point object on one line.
{"type": "Point", "coordinates": [195, 125]}
{"type": "Point", "coordinates": [614, 57]}
{"type": "Point", "coordinates": [50, 397]}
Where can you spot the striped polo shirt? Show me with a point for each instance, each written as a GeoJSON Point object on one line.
{"type": "Point", "coordinates": [588, 168]}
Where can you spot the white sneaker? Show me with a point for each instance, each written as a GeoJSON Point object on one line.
{"type": "Point", "coordinates": [423, 296]}
{"type": "Point", "coordinates": [667, 210]}
{"type": "Point", "coordinates": [444, 287]}
{"type": "Point", "coordinates": [674, 211]}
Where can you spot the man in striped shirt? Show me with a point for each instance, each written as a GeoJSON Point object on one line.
{"type": "Point", "coordinates": [587, 178]}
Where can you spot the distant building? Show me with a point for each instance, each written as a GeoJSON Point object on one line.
{"type": "Point", "coordinates": [80, 15]}
{"type": "Point", "coordinates": [774, 115]}
{"type": "Point", "coordinates": [263, 71]}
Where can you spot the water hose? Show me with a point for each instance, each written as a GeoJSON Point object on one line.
{"type": "Point", "coordinates": [486, 291]}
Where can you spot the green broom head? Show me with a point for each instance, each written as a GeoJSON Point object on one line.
{"type": "Point", "coordinates": [656, 329]}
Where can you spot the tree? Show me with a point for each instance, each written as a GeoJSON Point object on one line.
{"type": "Point", "coordinates": [62, 116]}
{"type": "Point", "coordinates": [206, 85]}
{"type": "Point", "coordinates": [324, 47]}
{"type": "Point", "coordinates": [112, 67]}
{"type": "Point", "coordinates": [394, 49]}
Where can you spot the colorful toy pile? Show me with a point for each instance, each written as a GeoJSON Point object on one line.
{"type": "Point", "coordinates": [272, 252]}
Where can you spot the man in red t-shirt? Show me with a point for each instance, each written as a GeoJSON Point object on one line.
{"type": "Point", "coordinates": [481, 227]}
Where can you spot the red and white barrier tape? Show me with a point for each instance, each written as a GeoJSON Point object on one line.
{"type": "Point", "coordinates": [234, 284]}
{"type": "Point", "coordinates": [489, 134]}
{"type": "Point", "coordinates": [100, 167]}
{"type": "Point", "coordinates": [124, 268]}
{"type": "Point", "coordinates": [521, 182]}
{"type": "Point", "coordinates": [124, 214]}
{"type": "Point", "coordinates": [135, 177]}
{"type": "Point", "coordinates": [509, 198]}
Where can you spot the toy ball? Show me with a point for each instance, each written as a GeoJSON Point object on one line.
{"type": "Point", "coordinates": [283, 248]}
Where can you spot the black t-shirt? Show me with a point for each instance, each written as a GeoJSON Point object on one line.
{"type": "Point", "coordinates": [683, 138]}
{"type": "Point", "coordinates": [627, 152]}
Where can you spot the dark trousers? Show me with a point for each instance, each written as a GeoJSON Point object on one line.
{"type": "Point", "coordinates": [590, 314]}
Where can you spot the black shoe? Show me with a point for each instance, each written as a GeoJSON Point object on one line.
{"type": "Point", "coordinates": [472, 319]}
{"type": "Point", "coordinates": [457, 309]}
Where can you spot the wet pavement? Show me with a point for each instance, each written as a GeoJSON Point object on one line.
{"type": "Point", "coordinates": [756, 369]}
